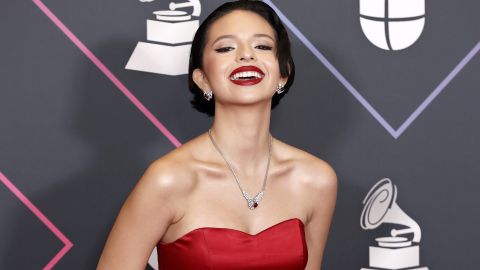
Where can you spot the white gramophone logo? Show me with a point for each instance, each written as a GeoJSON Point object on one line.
{"type": "Point", "coordinates": [169, 40]}
{"type": "Point", "coordinates": [392, 24]}
{"type": "Point", "coordinates": [396, 251]}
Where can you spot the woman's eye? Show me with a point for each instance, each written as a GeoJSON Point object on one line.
{"type": "Point", "coordinates": [224, 49]}
{"type": "Point", "coordinates": [264, 47]}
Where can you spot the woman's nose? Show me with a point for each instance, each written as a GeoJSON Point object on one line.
{"type": "Point", "coordinates": [245, 53]}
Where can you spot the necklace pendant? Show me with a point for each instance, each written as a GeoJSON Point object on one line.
{"type": "Point", "coordinates": [253, 202]}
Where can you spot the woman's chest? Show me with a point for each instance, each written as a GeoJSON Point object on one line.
{"type": "Point", "coordinates": [280, 246]}
{"type": "Point", "coordinates": [220, 203]}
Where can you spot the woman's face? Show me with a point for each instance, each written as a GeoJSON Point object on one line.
{"type": "Point", "coordinates": [239, 60]}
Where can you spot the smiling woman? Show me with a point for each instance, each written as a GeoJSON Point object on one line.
{"type": "Point", "coordinates": [195, 204]}
{"type": "Point", "coordinates": [275, 39]}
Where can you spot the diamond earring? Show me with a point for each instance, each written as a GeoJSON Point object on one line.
{"type": "Point", "coordinates": [280, 89]}
{"type": "Point", "coordinates": [208, 95]}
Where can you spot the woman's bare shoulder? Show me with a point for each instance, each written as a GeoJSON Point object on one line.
{"type": "Point", "coordinates": [170, 178]}
{"type": "Point", "coordinates": [171, 172]}
{"type": "Point", "coordinates": [156, 201]}
{"type": "Point", "coordinates": [315, 171]}
{"type": "Point", "coordinates": [176, 171]}
{"type": "Point", "coordinates": [318, 182]}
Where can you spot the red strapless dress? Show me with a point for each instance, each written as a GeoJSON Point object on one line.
{"type": "Point", "coordinates": [279, 247]}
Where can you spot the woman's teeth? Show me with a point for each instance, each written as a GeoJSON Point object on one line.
{"type": "Point", "coordinates": [246, 75]}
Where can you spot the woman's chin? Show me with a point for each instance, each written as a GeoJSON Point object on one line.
{"type": "Point", "coordinates": [253, 100]}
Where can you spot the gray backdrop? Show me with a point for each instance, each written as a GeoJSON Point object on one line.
{"type": "Point", "coordinates": [72, 144]}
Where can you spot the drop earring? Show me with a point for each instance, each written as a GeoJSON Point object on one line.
{"type": "Point", "coordinates": [208, 95]}
{"type": "Point", "coordinates": [280, 89]}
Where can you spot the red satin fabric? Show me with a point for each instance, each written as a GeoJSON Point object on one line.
{"type": "Point", "coordinates": [279, 247]}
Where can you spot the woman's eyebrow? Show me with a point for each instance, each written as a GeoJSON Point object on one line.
{"type": "Point", "coordinates": [223, 37]}
{"type": "Point", "coordinates": [233, 37]}
{"type": "Point", "coordinates": [264, 35]}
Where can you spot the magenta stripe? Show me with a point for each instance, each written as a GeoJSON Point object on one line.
{"type": "Point", "coordinates": [42, 218]}
{"type": "Point", "coordinates": [121, 87]}
{"type": "Point", "coordinates": [107, 72]}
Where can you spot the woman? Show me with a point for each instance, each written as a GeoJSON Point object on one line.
{"type": "Point", "coordinates": [233, 197]}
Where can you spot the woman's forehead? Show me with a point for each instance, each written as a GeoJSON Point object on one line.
{"type": "Point", "coordinates": [240, 23]}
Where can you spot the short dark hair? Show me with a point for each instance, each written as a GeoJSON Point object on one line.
{"type": "Point", "coordinates": [284, 55]}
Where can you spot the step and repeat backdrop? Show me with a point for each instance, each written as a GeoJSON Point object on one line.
{"type": "Point", "coordinates": [387, 92]}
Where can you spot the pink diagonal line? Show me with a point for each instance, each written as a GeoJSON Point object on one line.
{"type": "Point", "coordinates": [107, 72]}
{"type": "Point", "coordinates": [42, 218]}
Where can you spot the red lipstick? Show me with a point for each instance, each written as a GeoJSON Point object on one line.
{"type": "Point", "coordinates": [246, 75]}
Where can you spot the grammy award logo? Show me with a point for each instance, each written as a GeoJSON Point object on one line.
{"type": "Point", "coordinates": [169, 40]}
{"type": "Point", "coordinates": [392, 24]}
{"type": "Point", "coordinates": [399, 250]}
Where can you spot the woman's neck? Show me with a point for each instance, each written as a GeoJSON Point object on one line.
{"type": "Point", "coordinates": [243, 136]}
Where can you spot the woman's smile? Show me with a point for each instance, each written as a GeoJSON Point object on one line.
{"type": "Point", "coordinates": [247, 75]}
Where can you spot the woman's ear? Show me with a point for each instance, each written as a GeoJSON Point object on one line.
{"type": "Point", "coordinates": [201, 80]}
{"type": "Point", "coordinates": [283, 81]}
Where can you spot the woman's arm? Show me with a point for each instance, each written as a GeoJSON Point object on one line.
{"type": "Point", "coordinates": [321, 195]}
{"type": "Point", "coordinates": [143, 219]}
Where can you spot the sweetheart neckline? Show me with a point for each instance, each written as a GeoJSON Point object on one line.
{"type": "Point", "coordinates": [231, 229]}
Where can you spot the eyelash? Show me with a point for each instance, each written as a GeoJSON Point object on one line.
{"type": "Point", "coordinates": [224, 49]}
{"type": "Point", "coordinates": [264, 47]}
{"type": "Point", "coordinates": [227, 49]}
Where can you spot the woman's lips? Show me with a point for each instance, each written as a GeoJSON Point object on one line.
{"type": "Point", "coordinates": [247, 82]}
{"type": "Point", "coordinates": [246, 75]}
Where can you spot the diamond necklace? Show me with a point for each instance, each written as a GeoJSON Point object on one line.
{"type": "Point", "coordinates": [251, 201]}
